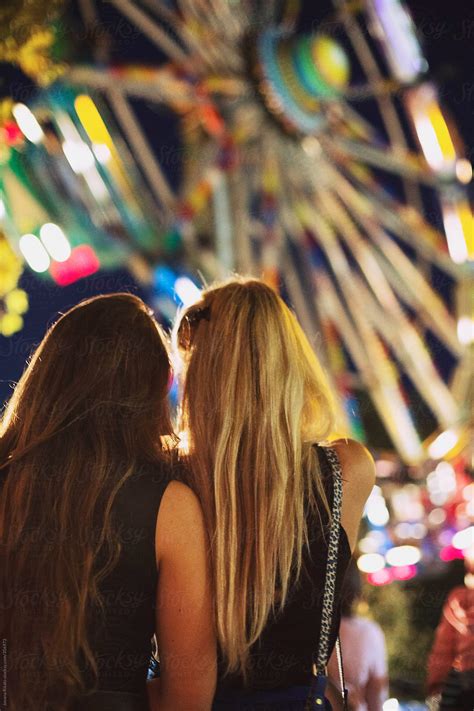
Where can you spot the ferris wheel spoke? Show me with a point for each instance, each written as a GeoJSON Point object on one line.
{"type": "Point", "coordinates": [216, 18]}
{"type": "Point", "coordinates": [214, 40]}
{"type": "Point", "coordinates": [383, 97]}
{"type": "Point", "coordinates": [153, 31]}
{"type": "Point", "coordinates": [378, 373]}
{"type": "Point", "coordinates": [373, 73]}
{"type": "Point", "coordinates": [402, 220]}
{"type": "Point", "coordinates": [389, 319]}
{"type": "Point", "coordinates": [142, 149]}
{"type": "Point", "coordinates": [300, 302]}
{"type": "Point", "coordinates": [368, 262]}
{"type": "Point", "coordinates": [240, 195]}
{"type": "Point", "coordinates": [408, 165]}
{"type": "Point", "coordinates": [158, 85]}
{"type": "Point", "coordinates": [354, 122]}
{"type": "Point", "coordinates": [303, 290]}
{"type": "Point", "coordinates": [411, 286]}
{"type": "Point", "coordinates": [411, 352]}
{"type": "Point", "coordinates": [164, 12]}
{"type": "Point", "coordinates": [384, 391]}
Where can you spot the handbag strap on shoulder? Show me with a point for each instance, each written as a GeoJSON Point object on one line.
{"type": "Point", "coordinates": [331, 566]}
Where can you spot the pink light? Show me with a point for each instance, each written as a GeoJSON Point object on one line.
{"type": "Point", "coordinates": [381, 577]}
{"type": "Point", "coordinates": [403, 572]}
{"type": "Point", "coordinates": [82, 262]}
{"type": "Point", "coordinates": [450, 553]}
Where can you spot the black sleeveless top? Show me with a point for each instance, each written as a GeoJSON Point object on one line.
{"type": "Point", "coordinates": [283, 655]}
{"type": "Point", "coordinates": [121, 634]}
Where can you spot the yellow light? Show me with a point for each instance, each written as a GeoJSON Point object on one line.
{"type": "Point", "coordinates": [101, 152]}
{"type": "Point", "coordinates": [184, 444]}
{"type": "Point", "coordinates": [441, 131]}
{"type": "Point", "coordinates": [103, 147]}
{"type": "Point", "coordinates": [92, 121]}
{"type": "Point", "coordinates": [443, 444]}
{"type": "Point", "coordinates": [463, 171]}
{"type": "Point", "coordinates": [34, 253]}
{"type": "Point", "coordinates": [27, 123]}
{"type": "Point", "coordinates": [55, 241]}
{"type": "Point", "coordinates": [459, 227]}
{"type": "Point", "coordinates": [10, 323]}
{"type": "Point", "coordinates": [16, 301]}
{"type": "Point", "coordinates": [331, 61]}
{"type": "Point", "coordinates": [429, 143]}
{"type": "Point", "coordinates": [371, 562]}
{"type": "Point", "coordinates": [431, 128]}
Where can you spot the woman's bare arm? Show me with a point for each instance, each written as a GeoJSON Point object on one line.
{"type": "Point", "coordinates": [358, 472]}
{"type": "Point", "coordinates": [184, 610]}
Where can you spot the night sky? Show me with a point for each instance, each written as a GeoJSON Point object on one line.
{"type": "Point", "coordinates": [447, 32]}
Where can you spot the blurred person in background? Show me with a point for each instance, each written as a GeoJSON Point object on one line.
{"type": "Point", "coordinates": [363, 649]}
{"type": "Point", "coordinates": [256, 412]}
{"type": "Point", "coordinates": [99, 548]}
{"type": "Point", "coordinates": [450, 680]}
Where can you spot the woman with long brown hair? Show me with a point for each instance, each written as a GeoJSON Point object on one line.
{"type": "Point", "coordinates": [100, 548]}
{"type": "Point", "coordinates": [256, 409]}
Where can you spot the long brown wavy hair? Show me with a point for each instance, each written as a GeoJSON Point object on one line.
{"type": "Point", "coordinates": [254, 401]}
{"type": "Point", "coordinates": [90, 408]}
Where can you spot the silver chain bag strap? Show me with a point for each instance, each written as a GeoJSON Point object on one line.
{"type": "Point", "coordinates": [316, 698]}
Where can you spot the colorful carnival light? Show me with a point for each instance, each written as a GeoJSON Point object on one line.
{"type": "Point", "coordinates": [28, 123]}
{"type": "Point", "coordinates": [464, 539]}
{"type": "Point", "coordinates": [465, 330]}
{"type": "Point", "coordinates": [403, 556]}
{"type": "Point", "coordinates": [431, 510]}
{"type": "Point", "coordinates": [394, 28]}
{"type": "Point", "coordinates": [431, 128]}
{"type": "Point", "coordinates": [186, 291]}
{"type": "Point", "coordinates": [35, 254]}
{"type": "Point", "coordinates": [370, 562]}
{"type": "Point", "coordinates": [13, 299]}
{"type": "Point", "coordinates": [443, 444]}
{"type": "Point", "coordinates": [82, 262]}
{"type": "Point", "coordinates": [55, 242]}
{"type": "Point", "coordinates": [283, 173]}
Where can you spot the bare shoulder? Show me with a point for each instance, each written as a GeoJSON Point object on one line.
{"type": "Point", "coordinates": [351, 450]}
{"type": "Point", "coordinates": [180, 495]}
{"type": "Point", "coordinates": [357, 463]}
{"type": "Point", "coordinates": [180, 518]}
{"type": "Point", "coordinates": [358, 473]}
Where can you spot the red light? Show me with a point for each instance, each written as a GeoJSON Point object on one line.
{"type": "Point", "coordinates": [450, 553]}
{"type": "Point", "coordinates": [82, 262]}
{"type": "Point", "coordinates": [403, 572]}
{"type": "Point", "coordinates": [12, 133]}
{"type": "Point", "coordinates": [381, 577]}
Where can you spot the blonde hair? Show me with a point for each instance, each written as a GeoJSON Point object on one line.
{"type": "Point", "coordinates": [254, 401]}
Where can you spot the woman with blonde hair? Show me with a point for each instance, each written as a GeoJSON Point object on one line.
{"type": "Point", "coordinates": [99, 548]}
{"type": "Point", "coordinates": [256, 410]}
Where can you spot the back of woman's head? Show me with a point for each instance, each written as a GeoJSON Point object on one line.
{"type": "Point", "coordinates": [90, 408]}
{"type": "Point", "coordinates": [254, 399]}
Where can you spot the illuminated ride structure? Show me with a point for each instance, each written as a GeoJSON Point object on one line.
{"type": "Point", "coordinates": [324, 162]}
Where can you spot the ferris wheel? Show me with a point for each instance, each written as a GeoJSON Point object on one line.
{"type": "Point", "coordinates": [325, 162]}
